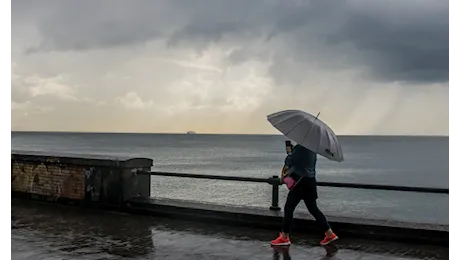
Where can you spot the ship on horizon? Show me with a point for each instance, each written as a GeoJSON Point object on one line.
{"type": "Point", "coordinates": [191, 132]}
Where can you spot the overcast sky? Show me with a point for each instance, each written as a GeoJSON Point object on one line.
{"type": "Point", "coordinates": [220, 66]}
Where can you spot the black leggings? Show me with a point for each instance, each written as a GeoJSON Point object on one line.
{"type": "Point", "coordinates": [305, 190]}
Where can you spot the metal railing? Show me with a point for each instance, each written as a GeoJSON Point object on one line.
{"type": "Point", "coordinates": [275, 182]}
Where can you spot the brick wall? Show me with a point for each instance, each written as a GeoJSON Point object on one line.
{"type": "Point", "coordinates": [77, 177]}
{"type": "Point", "coordinates": [57, 181]}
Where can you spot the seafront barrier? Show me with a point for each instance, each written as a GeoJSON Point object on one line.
{"type": "Point", "coordinates": [82, 179]}
{"type": "Point", "coordinates": [124, 184]}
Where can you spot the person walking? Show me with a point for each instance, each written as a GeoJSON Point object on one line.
{"type": "Point", "coordinates": [299, 175]}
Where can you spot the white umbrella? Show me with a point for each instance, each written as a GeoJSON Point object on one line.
{"type": "Point", "coordinates": [308, 131]}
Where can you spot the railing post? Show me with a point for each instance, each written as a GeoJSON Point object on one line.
{"type": "Point", "coordinates": [275, 182]}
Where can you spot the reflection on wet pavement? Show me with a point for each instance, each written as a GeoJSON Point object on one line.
{"type": "Point", "coordinates": [44, 231]}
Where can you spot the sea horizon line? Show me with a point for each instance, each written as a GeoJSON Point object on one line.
{"type": "Point", "coordinates": [228, 134]}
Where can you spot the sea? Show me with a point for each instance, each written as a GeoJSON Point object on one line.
{"type": "Point", "coordinates": [393, 160]}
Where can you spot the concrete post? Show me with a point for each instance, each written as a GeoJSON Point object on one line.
{"type": "Point", "coordinates": [136, 185]}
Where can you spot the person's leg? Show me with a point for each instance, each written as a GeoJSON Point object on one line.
{"type": "Point", "coordinates": [309, 196]}
{"type": "Point", "coordinates": [319, 216]}
{"type": "Point", "coordinates": [293, 199]}
{"type": "Point", "coordinates": [322, 222]}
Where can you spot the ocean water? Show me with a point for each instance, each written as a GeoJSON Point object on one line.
{"type": "Point", "coordinates": [394, 160]}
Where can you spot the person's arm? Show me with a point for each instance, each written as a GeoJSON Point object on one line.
{"type": "Point", "coordinates": [296, 160]}
{"type": "Point", "coordinates": [289, 160]}
{"type": "Point", "coordinates": [283, 170]}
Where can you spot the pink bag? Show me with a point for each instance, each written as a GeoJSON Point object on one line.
{"type": "Point", "coordinates": [290, 182]}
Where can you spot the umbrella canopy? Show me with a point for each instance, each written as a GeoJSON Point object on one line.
{"type": "Point", "coordinates": [308, 131]}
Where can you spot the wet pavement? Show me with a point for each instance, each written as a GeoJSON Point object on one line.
{"type": "Point", "coordinates": [45, 231]}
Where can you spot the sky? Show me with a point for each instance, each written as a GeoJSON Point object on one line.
{"type": "Point", "coordinates": [370, 67]}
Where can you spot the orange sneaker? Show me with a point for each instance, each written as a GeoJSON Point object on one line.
{"type": "Point", "coordinates": [280, 241]}
{"type": "Point", "coordinates": [329, 239]}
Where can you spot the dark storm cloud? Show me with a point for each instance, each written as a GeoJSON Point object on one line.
{"type": "Point", "coordinates": [402, 45]}
{"type": "Point", "coordinates": [417, 51]}
{"type": "Point", "coordinates": [389, 40]}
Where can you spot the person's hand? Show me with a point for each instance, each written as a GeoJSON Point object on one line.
{"type": "Point", "coordinates": [283, 171]}
{"type": "Point", "coordinates": [282, 174]}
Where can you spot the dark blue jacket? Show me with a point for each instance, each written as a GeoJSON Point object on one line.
{"type": "Point", "coordinates": [302, 162]}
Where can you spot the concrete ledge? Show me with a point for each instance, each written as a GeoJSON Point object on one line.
{"type": "Point", "coordinates": [79, 159]}
{"type": "Point", "coordinates": [385, 230]}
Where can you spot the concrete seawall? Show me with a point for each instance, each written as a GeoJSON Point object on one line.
{"type": "Point", "coordinates": [86, 179]}
{"type": "Point", "coordinates": [113, 183]}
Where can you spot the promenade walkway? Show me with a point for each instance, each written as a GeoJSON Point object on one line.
{"type": "Point", "coordinates": [45, 231]}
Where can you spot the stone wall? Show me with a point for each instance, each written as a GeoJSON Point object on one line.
{"type": "Point", "coordinates": [87, 178]}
